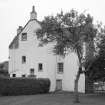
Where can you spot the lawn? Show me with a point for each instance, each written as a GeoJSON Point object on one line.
{"type": "Point", "coordinates": [52, 99]}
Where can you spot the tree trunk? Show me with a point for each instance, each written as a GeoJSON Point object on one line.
{"type": "Point", "coordinates": [76, 87]}
{"type": "Point", "coordinates": [77, 78]}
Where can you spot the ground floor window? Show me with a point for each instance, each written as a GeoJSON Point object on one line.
{"type": "Point", "coordinates": [23, 59]}
{"type": "Point", "coordinates": [13, 75]}
{"type": "Point", "coordinates": [23, 75]}
{"type": "Point", "coordinates": [32, 72]}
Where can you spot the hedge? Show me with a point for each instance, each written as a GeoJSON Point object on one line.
{"type": "Point", "coordinates": [23, 86]}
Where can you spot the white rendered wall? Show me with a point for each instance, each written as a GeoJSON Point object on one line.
{"type": "Point", "coordinates": [34, 55]}
{"type": "Point", "coordinates": [44, 55]}
{"type": "Point", "coordinates": [70, 70]}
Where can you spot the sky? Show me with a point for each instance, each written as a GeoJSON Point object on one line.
{"type": "Point", "coordinates": [14, 13]}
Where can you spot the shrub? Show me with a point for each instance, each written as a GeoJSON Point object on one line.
{"type": "Point", "coordinates": [23, 86]}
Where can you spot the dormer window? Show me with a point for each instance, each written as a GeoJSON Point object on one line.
{"type": "Point", "coordinates": [24, 37]}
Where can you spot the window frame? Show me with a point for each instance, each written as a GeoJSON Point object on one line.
{"type": "Point", "coordinates": [24, 36]}
{"type": "Point", "coordinates": [40, 67]}
{"type": "Point", "coordinates": [13, 75]}
{"type": "Point", "coordinates": [60, 67]}
{"type": "Point", "coordinates": [23, 75]}
{"type": "Point", "coordinates": [23, 59]}
{"type": "Point", "coordinates": [32, 71]}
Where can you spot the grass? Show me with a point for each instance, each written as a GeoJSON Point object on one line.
{"type": "Point", "coordinates": [52, 99]}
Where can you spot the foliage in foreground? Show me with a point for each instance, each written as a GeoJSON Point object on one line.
{"type": "Point", "coordinates": [4, 69]}
{"type": "Point", "coordinates": [97, 69]}
{"type": "Point", "coordinates": [23, 86]}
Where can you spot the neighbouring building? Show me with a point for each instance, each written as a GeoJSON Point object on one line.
{"type": "Point", "coordinates": [27, 59]}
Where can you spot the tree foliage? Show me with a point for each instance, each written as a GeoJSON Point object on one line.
{"type": "Point", "coordinates": [69, 31]}
{"type": "Point", "coordinates": [97, 68]}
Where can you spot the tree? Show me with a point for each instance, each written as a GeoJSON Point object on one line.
{"type": "Point", "coordinates": [4, 68]}
{"type": "Point", "coordinates": [70, 31]}
{"type": "Point", "coordinates": [97, 69]}
{"type": "Point", "coordinates": [101, 40]}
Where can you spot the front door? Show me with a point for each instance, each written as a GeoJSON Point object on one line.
{"type": "Point", "coordinates": [58, 85]}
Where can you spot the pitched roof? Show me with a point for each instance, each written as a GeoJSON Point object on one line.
{"type": "Point", "coordinates": [16, 37]}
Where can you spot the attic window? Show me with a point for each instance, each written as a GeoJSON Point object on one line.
{"type": "Point", "coordinates": [24, 37]}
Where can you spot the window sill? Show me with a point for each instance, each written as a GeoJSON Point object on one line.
{"type": "Point", "coordinates": [59, 72]}
{"type": "Point", "coordinates": [40, 70]}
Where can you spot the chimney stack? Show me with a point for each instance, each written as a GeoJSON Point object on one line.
{"type": "Point", "coordinates": [33, 14]}
{"type": "Point", "coordinates": [19, 29]}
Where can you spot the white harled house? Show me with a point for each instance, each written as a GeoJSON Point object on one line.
{"type": "Point", "coordinates": [26, 58]}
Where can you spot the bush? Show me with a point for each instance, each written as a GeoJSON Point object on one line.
{"type": "Point", "coordinates": [23, 86]}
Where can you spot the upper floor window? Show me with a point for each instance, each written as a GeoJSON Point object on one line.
{"type": "Point", "coordinates": [24, 36]}
{"type": "Point", "coordinates": [60, 67]}
{"type": "Point", "coordinates": [40, 67]}
{"type": "Point", "coordinates": [23, 59]}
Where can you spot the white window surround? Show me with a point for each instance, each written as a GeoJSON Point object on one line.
{"type": "Point", "coordinates": [23, 59]}
{"type": "Point", "coordinates": [60, 67]}
{"type": "Point", "coordinates": [24, 37]}
{"type": "Point", "coordinates": [40, 67]}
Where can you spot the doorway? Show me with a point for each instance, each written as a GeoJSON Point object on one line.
{"type": "Point", "coordinates": [59, 85]}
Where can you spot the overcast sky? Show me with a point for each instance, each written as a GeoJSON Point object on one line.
{"type": "Point", "coordinates": [14, 13]}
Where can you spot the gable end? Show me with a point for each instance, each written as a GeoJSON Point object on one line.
{"type": "Point", "coordinates": [15, 42]}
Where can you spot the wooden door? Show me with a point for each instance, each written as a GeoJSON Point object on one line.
{"type": "Point", "coordinates": [58, 84]}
